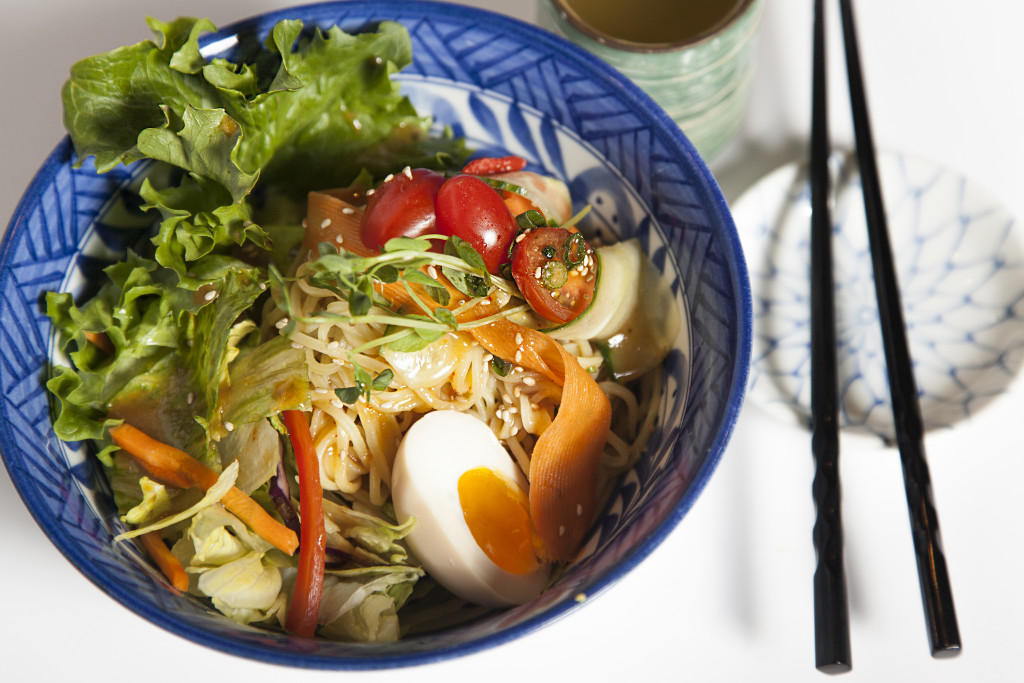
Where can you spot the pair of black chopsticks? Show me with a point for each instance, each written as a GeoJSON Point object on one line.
{"type": "Point", "coordinates": [831, 614]}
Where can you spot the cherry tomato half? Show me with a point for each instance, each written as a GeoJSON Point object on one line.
{"type": "Point", "coordinates": [401, 207]}
{"type": "Point", "coordinates": [556, 272]}
{"type": "Point", "coordinates": [471, 209]}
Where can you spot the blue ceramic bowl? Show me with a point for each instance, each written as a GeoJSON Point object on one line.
{"type": "Point", "coordinates": [505, 86]}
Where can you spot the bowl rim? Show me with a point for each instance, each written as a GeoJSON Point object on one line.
{"type": "Point", "coordinates": [662, 126]}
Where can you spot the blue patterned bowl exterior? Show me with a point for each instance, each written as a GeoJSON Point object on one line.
{"type": "Point", "coordinates": [507, 87]}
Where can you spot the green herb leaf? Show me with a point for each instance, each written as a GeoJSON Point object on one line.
{"type": "Point", "coordinates": [360, 298]}
{"type": "Point", "coordinates": [348, 395]}
{"type": "Point", "coordinates": [381, 381]}
{"type": "Point", "coordinates": [406, 244]}
{"type": "Point", "coordinates": [434, 288]}
{"type": "Point", "coordinates": [501, 367]}
{"type": "Point", "coordinates": [443, 315]}
{"type": "Point", "coordinates": [468, 283]}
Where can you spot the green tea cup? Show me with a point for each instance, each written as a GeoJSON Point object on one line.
{"type": "Point", "coordinates": [696, 61]}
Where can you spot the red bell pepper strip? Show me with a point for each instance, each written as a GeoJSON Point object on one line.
{"type": "Point", "coordinates": [494, 165]}
{"type": "Point", "coordinates": [309, 582]}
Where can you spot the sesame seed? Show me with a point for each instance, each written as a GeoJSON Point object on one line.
{"type": "Point", "coordinates": [519, 339]}
{"type": "Point", "coordinates": [304, 224]}
{"type": "Point", "coordinates": [520, 237]}
{"type": "Point", "coordinates": [348, 211]}
{"type": "Point", "coordinates": [529, 381]}
{"type": "Point", "coordinates": [339, 239]}
{"type": "Point", "coordinates": [191, 398]}
{"type": "Point", "coordinates": [333, 345]}
{"type": "Point", "coordinates": [536, 274]}
{"type": "Point", "coordinates": [321, 391]}
{"type": "Point", "coordinates": [325, 223]}
{"type": "Point", "coordinates": [281, 324]}
{"type": "Point", "coordinates": [534, 406]}
{"type": "Point", "coordinates": [391, 176]}
{"type": "Point", "coordinates": [387, 405]}
{"type": "Point", "coordinates": [515, 430]}
{"type": "Point", "coordinates": [519, 355]}
{"type": "Point", "coordinates": [506, 398]}
{"type": "Point", "coordinates": [488, 358]}
{"type": "Point", "coordinates": [370, 192]}
{"type": "Point", "coordinates": [296, 345]}
{"type": "Point", "coordinates": [210, 295]}
{"type": "Point", "coordinates": [517, 392]}
{"type": "Point", "coordinates": [513, 410]}
{"type": "Point", "coordinates": [407, 172]}
{"type": "Point", "coordinates": [561, 531]}
{"type": "Point", "coordinates": [432, 272]}
{"type": "Point", "coordinates": [579, 510]}
{"type": "Point", "coordinates": [263, 286]}
{"type": "Point", "coordinates": [230, 426]}
{"type": "Point", "coordinates": [336, 402]}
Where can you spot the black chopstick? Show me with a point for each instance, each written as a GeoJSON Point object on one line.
{"type": "Point", "coordinates": [831, 614]}
{"type": "Point", "coordinates": [940, 614]}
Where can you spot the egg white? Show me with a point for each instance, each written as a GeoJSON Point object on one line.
{"type": "Point", "coordinates": [435, 452]}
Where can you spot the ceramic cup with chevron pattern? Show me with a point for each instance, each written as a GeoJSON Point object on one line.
{"type": "Point", "coordinates": [696, 59]}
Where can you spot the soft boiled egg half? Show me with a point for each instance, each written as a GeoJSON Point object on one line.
{"type": "Point", "coordinates": [470, 503]}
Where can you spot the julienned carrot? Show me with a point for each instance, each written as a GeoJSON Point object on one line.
{"type": "Point", "coordinates": [176, 467]}
{"type": "Point", "coordinates": [165, 560]}
{"type": "Point", "coordinates": [564, 462]}
{"type": "Point", "coordinates": [304, 610]}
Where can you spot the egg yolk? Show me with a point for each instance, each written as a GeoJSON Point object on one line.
{"type": "Point", "coordinates": [498, 515]}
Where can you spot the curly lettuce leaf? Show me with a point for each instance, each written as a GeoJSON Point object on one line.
{"type": "Point", "coordinates": [309, 110]}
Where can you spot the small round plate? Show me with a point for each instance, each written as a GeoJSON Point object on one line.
{"type": "Point", "coordinates": [960, 267]}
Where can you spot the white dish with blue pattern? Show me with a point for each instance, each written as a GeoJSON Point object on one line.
{"type": "Point", "coordinates": [507, 86]}
{"type": "Point", "coordinates": [960, 267]}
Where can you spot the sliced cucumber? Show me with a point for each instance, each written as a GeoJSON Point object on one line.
{"type": "Point", "coordinates": [614, 295]}
{"type": "Point", "coordinates": [633, 316]}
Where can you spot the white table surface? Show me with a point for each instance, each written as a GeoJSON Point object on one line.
{"type": "Point", "coordinates": [728, 595]}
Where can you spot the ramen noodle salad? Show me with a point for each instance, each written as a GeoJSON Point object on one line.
{"type": "Point", "coordinates": [354, 382]}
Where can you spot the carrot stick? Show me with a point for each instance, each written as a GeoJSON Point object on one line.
{"type": "Point", "coordinates": [165, 560]}
{"type": "Point", "coordinates": [176, 467]}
